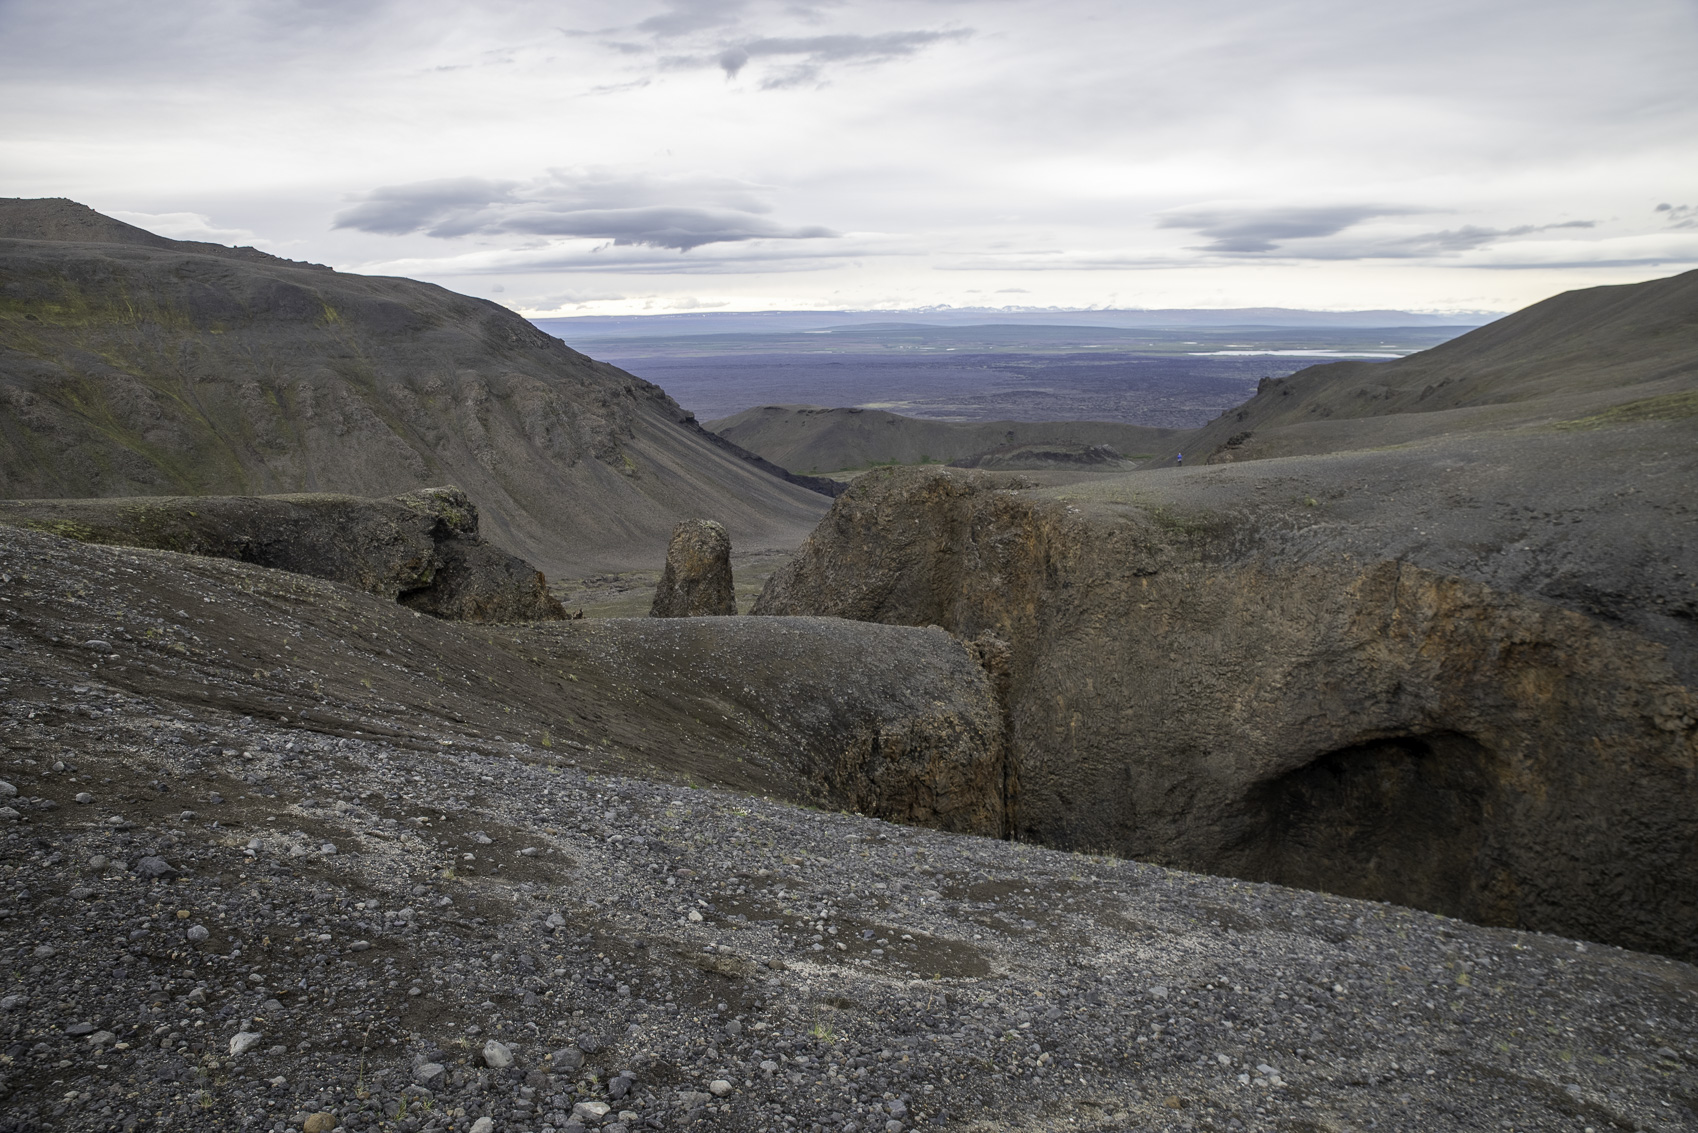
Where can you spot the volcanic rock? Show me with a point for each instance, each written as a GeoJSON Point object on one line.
{"type": "Point", "coordinates": [697, 579]}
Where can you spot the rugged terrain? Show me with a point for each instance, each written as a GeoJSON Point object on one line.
{"type": "Point", "coordinates": [1460, 674]}
{"type": "Point", "coordinates": [809, 437]}
{"type": "Point", "coordinates": [283, 854]}
{"type": "Point", "coordinates": [135, 365]}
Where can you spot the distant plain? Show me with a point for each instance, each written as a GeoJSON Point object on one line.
{"type": "Point", "coordinates": [1168, 378]}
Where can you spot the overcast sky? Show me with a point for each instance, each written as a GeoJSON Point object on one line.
{"type": "Point", "coordinates": [662, 155]}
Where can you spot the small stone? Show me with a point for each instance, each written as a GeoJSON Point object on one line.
{"type": "Point", "coordinates": [496, 1056]}
{"type": "Point", "coordinates": [215, 799]}
{"type": "Point", "coordinates": [83, 893]}
{"type": "Point", "coordinates": [197, 933]}
{"type": "Point", "coordinates": [101, 1038]}
{"type": "Point", "coordinates": [7, 814]}
{"type": "Point", "coordinates": [590, 1112]}
{"type": "Point", "coordinates": [244, 1041]}
{"type": "Point", "coordinates": [567, 1058]}
{"type": "Point", "coordinates": [98, 645]}
{"type": "Point", "coordinates": [43, 951]}
{"type": "Point", "coordinates": [588, 1043]}
{"type": "Point", "coordinates": [154, 867]}
{"type": "Point", "coordinates": [98, 861]}
{"type": "Point", "coordinates": [187, 816]}
{"type": "Point", "coordinates": [78, 1030]}
{"type": "Point", "coordinates": [84, 797]}
{"type": "Point", "coordinates": [528, 852]}
{"type": "Point", "coordinates": [327, 848]}
{"type": "Point", "coordinates": [359, 946]}
{"type": "Point", "coordinates": [7, 790]}
{"type": "Point", "coordinates": [893, 1126]}
{"type": "Point", "coordinates": [429, 1073]}
{"type": "Point", "coordinates": [719, 1087]}
{"type": "Point", "coordinates": [734, 1028]}
{"type": "Point", "coordinates": [695, 917]}
{"type": "Point", "coordinates": [483, 839]}
{"type": "Point", "coordinates": [13, 1002]}
{"type": "Point", "coordinates": [117, 820]}
{"type": "Point", "coordinates": [620, 1086]}
{"type": "Point", "coordinates": [319, 1123]}
{"type": "Point", "coordinates": [483, 1125]}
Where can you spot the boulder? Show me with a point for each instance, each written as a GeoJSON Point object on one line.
{"type": "Point", "coordinates": [697, 579]}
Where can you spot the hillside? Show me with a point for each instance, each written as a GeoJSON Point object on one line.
{"type": "Point", "coordinates": [1568, 358]}
{"type": "Point", "coordinates": [807, 437]}
{"type": "Point", "coordinates": [135, 365]}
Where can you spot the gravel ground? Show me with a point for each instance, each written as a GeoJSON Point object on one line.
{"type": "Point", "coordinates": [213, 920]}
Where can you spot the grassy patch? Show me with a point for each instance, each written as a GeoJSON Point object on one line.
{"type": "Point", "coordinates": [1668, 407]}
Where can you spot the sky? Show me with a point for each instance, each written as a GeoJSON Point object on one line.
{"type": "Point", "coordinates": [659, 156]}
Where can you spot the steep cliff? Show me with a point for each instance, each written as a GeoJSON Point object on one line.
{"type": "Point", "coordinates": [1227, 669]}
{"type": "Point", "coordinates": [135, 365]}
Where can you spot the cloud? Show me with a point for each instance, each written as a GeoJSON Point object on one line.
{"type": "Point", "coordinates": [674, 213]}
{"type": "Point", "coordinates": [185, 226]}
{"type": "Point", "coordinates": [1679, 216]}
{"type": "Point", "coordinates": [1258, 231]}
{"type": "Point", "coordinates": [812, 53]}
{"type": "Point", "coordinates": [684, 16]}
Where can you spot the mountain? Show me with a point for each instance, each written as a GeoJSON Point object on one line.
{"type": "Point", "coordinates": [811, 437]}
{"type": "Point", "coordinates": [131, 364]}
{"type": "Point", "coordinates": [1629, 349]}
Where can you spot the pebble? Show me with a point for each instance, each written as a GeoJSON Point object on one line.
{"type": "Point", "coordinates": [7, 790]}
{"type": "Point", "coordinates": [84, 797]}
{"type": "Point", "coordinates": [197, 933]}
{"type": "Point", "coordinates": [719, 1087]}
{"type": "Point", "coordinates": [319, 1123]}
{"type": "Point", "coordinates": [496, 1056]}
{"type": "Point", "coordinates": [590, 1112]}
{"type": "Point", "coordinates": [567, 1058]}
{"type": "Point", "coordinates": [244, 1041]}
{"type": "Point", "coordinates": [7, 814]}
{"type": "Point", "coordinates": [429, 1073]}
{"type": "Point", "coordinates": [483, 1125]}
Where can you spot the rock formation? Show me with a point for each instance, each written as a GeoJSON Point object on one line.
{"type": "Point", "coordinates": [1206, 677]}
{"type": "Point", "coordinates": [135, 365]}
{"type": "Point", "coordinates": [421, 548]}
{"type": "Point", "coordinates": [696, 581]}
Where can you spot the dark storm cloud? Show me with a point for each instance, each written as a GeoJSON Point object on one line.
{"type": "Point", "coordinates": [625, 211]}
{"type": "Point", "coordinates": [1258, 231]}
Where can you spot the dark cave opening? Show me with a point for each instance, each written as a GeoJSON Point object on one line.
{"type": "Point", "coordinates": [1409, 819]}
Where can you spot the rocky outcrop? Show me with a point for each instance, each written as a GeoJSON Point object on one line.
{"type": "Point", "coordinates": [696, 581]}
{"type": "Point", "coordinates": [1220, 691]}
{"type": "Point", "coordinates": [420, 548]}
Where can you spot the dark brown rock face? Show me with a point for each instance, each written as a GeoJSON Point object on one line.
{"type": "Point", "coordinates": [697, 580]}
{"type": "Point", "coordinates": [421, 548]}
{"type": "Point", "coordinates": [1191, 690]}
